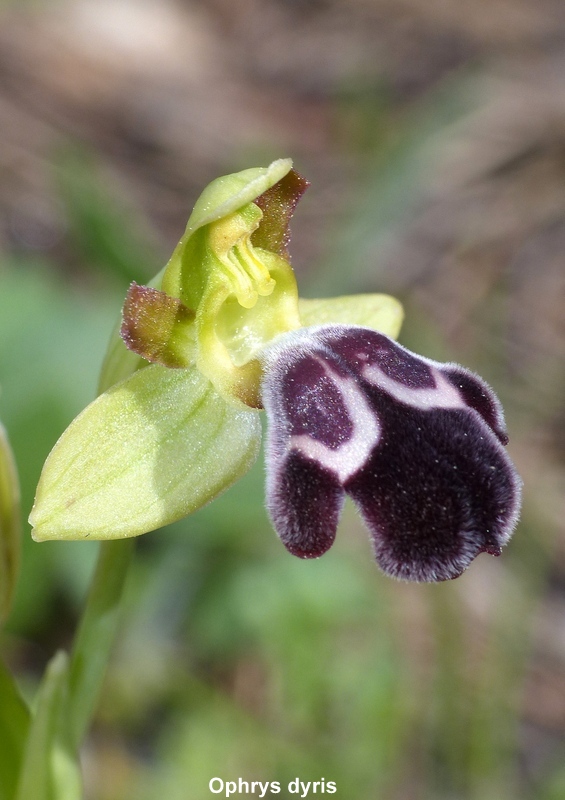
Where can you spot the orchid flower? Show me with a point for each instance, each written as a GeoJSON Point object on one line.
{"type": "Point", "coordinates": [221, 334]}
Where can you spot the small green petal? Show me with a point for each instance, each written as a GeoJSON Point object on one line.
{"type": "Point", "coordinates": [9, 526]}
{"type": "Point", "coordinates": [377, 311]}
{"type": "Point", "coordinates": [278, 204]}
{"type": "Point", "coordinates": [147, 452]}
{"type": "Point", "coordinates": [158, 327]}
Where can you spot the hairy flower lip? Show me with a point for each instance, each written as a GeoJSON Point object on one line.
{"type": "Point", "coordinates": [417, 444]}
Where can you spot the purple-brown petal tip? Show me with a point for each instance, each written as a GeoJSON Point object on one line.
{"type": "Point", "coordinates": [304, 502]}
{"type": "Point", "coordinates": [278, 204]}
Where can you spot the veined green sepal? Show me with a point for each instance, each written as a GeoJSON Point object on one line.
{"type": "Point", "coordinates": [147, 452]}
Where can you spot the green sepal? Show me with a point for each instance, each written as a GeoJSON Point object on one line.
{"type": "Point", "coordinates": [146, 453]}
{"type": "Point", "coordinates": [119, 362]}
{"type": "Point", "coordinates": [229, 193]}
{"type": "Point", "coordinates": [10, 542]}
{"type": "Point", "coordinates": [377, 311]}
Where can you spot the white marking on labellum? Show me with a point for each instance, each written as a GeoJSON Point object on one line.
{"type": "Point", "coordinates": [443, 395]}
{"type": "Point", "coordinates": [350, 456]}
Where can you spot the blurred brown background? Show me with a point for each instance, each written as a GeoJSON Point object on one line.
{"type": "Point", "coordinates": [433, 134]}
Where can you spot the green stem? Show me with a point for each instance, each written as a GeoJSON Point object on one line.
{"type": "Point", "coordinates": [96, 633]}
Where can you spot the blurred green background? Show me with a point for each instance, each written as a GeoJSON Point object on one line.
{"type": "Point", "coordinates": [434, 137]}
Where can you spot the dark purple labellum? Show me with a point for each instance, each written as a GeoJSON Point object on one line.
{"type": "Point", "coordinates": [417, 444]}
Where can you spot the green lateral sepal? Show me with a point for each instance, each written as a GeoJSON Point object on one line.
{"type": "Point", "coordinates": [146, 453]}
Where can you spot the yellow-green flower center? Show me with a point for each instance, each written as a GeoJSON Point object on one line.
{"type": "Point", "coordinates": [229, 239]}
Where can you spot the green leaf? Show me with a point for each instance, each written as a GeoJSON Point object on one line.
{"type": "Point", "coordinates": [14, 724]}
{"type": "Point", "coordinates": [147, 452]}
{"type": "Point", "coordinates": [50, 768]}
{"type": "Point", "coordinates": [9, 526]}
{"type": "Point", "coordinates": [377, 311]}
